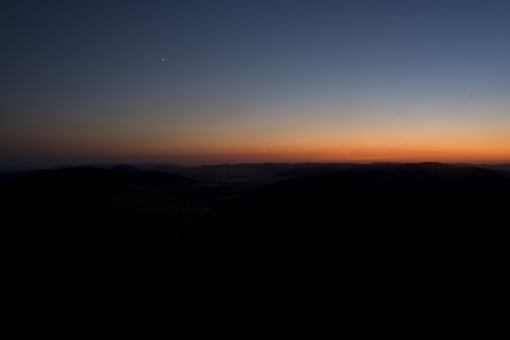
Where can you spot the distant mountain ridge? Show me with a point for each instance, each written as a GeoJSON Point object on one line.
{"type": "Point", "coordinates": [385, 187]}
{"type": "Point", "coordinates": [83, 179]}
{"type": "Point", "coordinates": [202, 172]}
{"type": "Point", "coordinates": [126, 169]}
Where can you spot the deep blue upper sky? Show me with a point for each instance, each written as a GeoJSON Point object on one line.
{"type": "Point", "coordinates": [86, 80]}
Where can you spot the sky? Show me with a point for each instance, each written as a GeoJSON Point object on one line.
{"type": "Point", "coordinates": [208, 82]}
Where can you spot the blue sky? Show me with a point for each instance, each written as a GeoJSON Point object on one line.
{"type": "Point", "coordinates": [85, 81]}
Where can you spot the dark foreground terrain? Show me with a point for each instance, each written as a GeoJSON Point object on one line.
{"type": "Point", "coordinates": [354, 249]}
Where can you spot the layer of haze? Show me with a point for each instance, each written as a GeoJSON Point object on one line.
{"type": "Point", "coordinates": [201, 82]}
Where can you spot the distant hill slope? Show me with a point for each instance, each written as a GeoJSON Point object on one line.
{"type": "Point", "coordinates": [503, 167]}
{"type": "Point", "coordinates": [503, 173]}
{"type": "Point", "coordinates": [126, 169]}
{"type": "Point", "coordinates": [422, 222]}
{"type": "Point", "coordinates": [157, 178]}
{"type": "Point", "coordinates": [250, 175]}
{"type": "Point", "coordinates": [86, 179]}
{"type": "Point", "coordinates": [15, 171]}
{"type": "Point", "coordinates": [426, 196]}
{"type": "Point", "coordinates": [312, 170]}
{"type": "Point", "coordinates": [422, 180]}
{"type": "Point", "coordinates": [68, 179]}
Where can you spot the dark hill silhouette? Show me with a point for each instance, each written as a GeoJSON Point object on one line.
{"type": "Point", "coordinates": [157, 178]}
{"type": "Point", "coordinates": [67, 180]}
{"type": "Point", "coordinates": [431, 182]}
{"type": "Point", "coordinates": [504, 167]}
{"type": "Point", "coordinates": [59, 202]}
{"type": "Point", "coordinates": [312, 170]}
{"type": "Point", "coordinates": [81, 180]}
{"type": "Point", "coordinates": [502, 173]}
{"type": "Point", "coordinates": [126, 169]}
{"type": "Point", "coordinates": [381, 244]}
{"type": "Point", "coordinates": [426, 196]}
{"type": "Point", "coordinates": [16, 171]}
{"type": "Point", "coordinates": [438, 228]}
{"type": "Point", "coordinates": [89, 178]}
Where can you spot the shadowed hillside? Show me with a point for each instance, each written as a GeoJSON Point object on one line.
{"type": "Point", "coordinates": [88, 179]}
{"type": "Point", "coordinates": [352, 238]}
{"type": "Point", "coordinates": [385, 233]}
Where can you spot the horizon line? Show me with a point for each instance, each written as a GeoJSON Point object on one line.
{"type": "Point", "coordinates": [102, 164]}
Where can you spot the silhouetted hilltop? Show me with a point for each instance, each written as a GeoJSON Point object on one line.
{"type": "Point", "coordinates": [59, 202]}
{"type": "Point", "coordinates": [382, 185]}
{"type": "Point", "coordinates": [312, 170]}
{"type": "Point", "coordinates": [504, 167]}
{"type": "Point", "coordinates": [153, 178]}
{"type": "Point", "coordinates": [157, 178]}
{"type": "Point", "coordinates": [502, 173]}
{"type": "Point", "coordinates": [164, 168]}
{"type": "Point", "coordinates": [250, 175]}
{"type": "Point", "coordinates": [409, 235]}
{"type": "Point", "coordinates": [386, 202]}
{"type": "Point", "coordinates": [15, 171]}
{"type": "Point", "coordinates": [243, 175]}
{"type": "Point", "coordinates": [87, 179]}
{"type": "Point", "coordinates": [126, 169]}
{"type": "Point", "coordinates": [67, 180]}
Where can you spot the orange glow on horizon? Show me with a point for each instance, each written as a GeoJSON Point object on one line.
{"type": "Point", "coordinates": [359, 153]}
{"type": "Point", "coordinates": [256, 144]}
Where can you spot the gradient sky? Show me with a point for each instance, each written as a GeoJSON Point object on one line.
{"type": "Point", "coordinates": [254, 81]}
